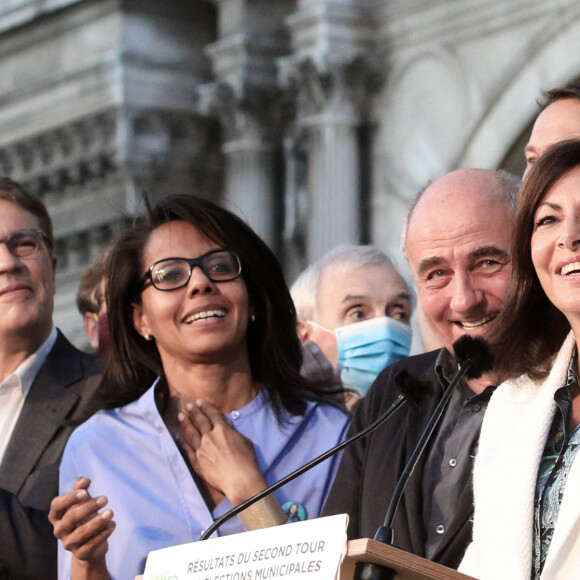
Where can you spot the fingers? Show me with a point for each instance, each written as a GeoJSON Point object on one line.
{"type": "Point", "coordinates": [81, 483]}
{"type": "Point", "coordinates": [199, 420]}
{"type": "Point", "coordinates": [191, 436]}
{"type": "Point", "coordinates": [78, 524]}
{"type": "Point", "coordinates": [86, 537]}
{"type": "Point", "coordinates": [214, 416]}
{"type": "Point", "coordinates": [90, 547]}
{"type": "Point", "coordinates": [62, 503]}
{"type": "Point", "coordinates": [68, 512]}
{"type": "Point", "coordinates": [199, 417]}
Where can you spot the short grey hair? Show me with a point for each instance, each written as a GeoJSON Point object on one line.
{"type": "Point", "coordinates": [305, 289]}
{"type": "Point", "coordinates": [508, 184]}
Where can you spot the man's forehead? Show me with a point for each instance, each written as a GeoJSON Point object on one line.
{"type": "Point", "coordinates": [348, 282]}
{"type": "Point", "coordinates": [13, 217]}
{"type": "Point", "coordinates": [351, 271]}
{"type": "Point", "coordinates": [557, 122]}
{"type": "Point", "coordinates": [466, 234]}
{"type": "Point", "coordinates": [462, 255]}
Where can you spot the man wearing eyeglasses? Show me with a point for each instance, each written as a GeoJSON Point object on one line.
{"type": "Point", "coordinates": [44, 385]}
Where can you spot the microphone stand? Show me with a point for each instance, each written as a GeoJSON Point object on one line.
{"type": "Point", "coordinates": [293, 475]}
{"type": "Point", "coordinates": [385, 534]}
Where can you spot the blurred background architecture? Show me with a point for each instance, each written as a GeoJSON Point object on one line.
{"type": "Point", "coordinates": [316, 120]}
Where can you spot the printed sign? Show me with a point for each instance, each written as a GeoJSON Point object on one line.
{"type": "Point", "coordinates": [311, 550]}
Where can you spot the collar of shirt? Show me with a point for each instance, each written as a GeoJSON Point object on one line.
{"type": "Point", "coordinates": [25, 374]}
{"type": "Point", "coordinates": [559, 452]}
{"type": "Point", "coordinates": [571, 375]}
{"type": "Point", "coordinates": [564, 395]}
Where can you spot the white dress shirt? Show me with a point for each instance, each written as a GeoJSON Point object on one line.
{"type": "Point", "coordinates": [15, 387]}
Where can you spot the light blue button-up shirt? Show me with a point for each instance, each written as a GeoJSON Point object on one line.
{"type": "Point", "coordinates": [130, 456]}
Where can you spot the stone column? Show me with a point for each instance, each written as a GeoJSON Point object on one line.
{"type": "Point", "coordinates": [250, 183]}
{"type": "Point", "coordinates": [334, 215]}
{"type": "Point", "coordinates": [329, 112]}
{"type": "Point", "coordinates": [249, 151]}
{"type": "Point", "coordinates": [245, 98]}
{"type": "Point", "coordinates": [330, 76]}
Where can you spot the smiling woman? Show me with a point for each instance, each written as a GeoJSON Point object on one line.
{"type": "Point", "coordinates": [527, 474]}
{"type": "Point", "coordinates": [206, 405]}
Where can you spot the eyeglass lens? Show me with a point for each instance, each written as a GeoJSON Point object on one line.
{"type": "Point", "coordinates": [175, 272]}
{"type": "Point", "coordinates": [23, 243]}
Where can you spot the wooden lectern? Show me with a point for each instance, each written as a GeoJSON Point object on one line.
{"type": "Point", "coordinates": [407, 566]}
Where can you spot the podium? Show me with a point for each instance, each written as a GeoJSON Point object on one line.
{"type": "Point", "coordinates": [312, 550]}
{"type": "Point", "coordinates": [407, 566]}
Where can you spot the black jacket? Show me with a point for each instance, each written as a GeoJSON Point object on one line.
{"type": "Point", "coordinates": [29, 470]}
{"type": "Point", "coordinates": [28, 550]}
{"type": "Point", "coordinates": [371, 467]}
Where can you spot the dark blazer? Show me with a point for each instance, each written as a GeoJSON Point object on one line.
{"type": "Point", "coordinates": [29, 470]}
{"type": "Point", "coordinates": [29, 548]}
{"type": "Point", "coordinates": [370, 468]}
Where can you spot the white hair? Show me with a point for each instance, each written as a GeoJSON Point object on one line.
{"type": "Point", "coordinates": [305, 289]}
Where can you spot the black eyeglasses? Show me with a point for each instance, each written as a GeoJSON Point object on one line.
{"type": "Point", "coordinates": [24, 242]}
{"type": "Point", "coordinates": [174, 273]}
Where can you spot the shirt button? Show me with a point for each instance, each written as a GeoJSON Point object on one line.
{"type": "Point", "coordinates": [477, 408]}
{"type": "Point", "coordinates": [453, 462]}
{"type": "Point", "coordinates": [440, 529]}
{"type": "Point", "coordinates": [235, 414]}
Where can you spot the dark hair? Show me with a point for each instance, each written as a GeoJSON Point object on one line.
{"type": "Point", "coordinates": [570, 91]}
{"type": "Point", "coordinates": [273, 346]}
{"type": "Point", "coordinates": [530, 329]}
{"type": "Point", "coordinates": [13, 192]}
{"type": "Point", "coordinates": [90, 285]}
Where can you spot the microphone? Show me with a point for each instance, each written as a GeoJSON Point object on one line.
{"type": "Point", "coordinates": [474, 355]}
{"type": "Point", "coordinates": [411, 390]}
{"type": "Point", "coordinates": [475, 358]}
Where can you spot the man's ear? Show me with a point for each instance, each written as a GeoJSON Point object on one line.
{"type": "Point", "coordinates": [303, 330]}
{"type": "Point", "coordinates": [53, 261]}
{"type": "Point", "coordinates": [92, 328]}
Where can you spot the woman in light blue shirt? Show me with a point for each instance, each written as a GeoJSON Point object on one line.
{"type": "Point", "coordinates": [205, 405]}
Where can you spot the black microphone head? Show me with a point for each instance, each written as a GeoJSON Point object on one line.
{"type": "Point", "coordinates": [477, 351]}
{"type": "Point", "coordinates": [414, 389]}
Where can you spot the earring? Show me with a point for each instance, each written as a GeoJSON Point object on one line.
{"type": "Point", "coordinates": [252, 317]}
{"type": "Point", "coordinates": [147, 336]}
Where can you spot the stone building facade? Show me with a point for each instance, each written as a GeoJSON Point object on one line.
{"type": "Point", "coordinates": [315, 120]}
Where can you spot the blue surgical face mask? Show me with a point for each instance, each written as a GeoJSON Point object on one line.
{"type": "Point", "coordinates": [366, 348]}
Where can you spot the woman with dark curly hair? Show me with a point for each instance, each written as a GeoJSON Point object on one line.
{"type": "Point", "coordinates": [527, 475]}
{"type": "Point", "coordinates": [205, 404]}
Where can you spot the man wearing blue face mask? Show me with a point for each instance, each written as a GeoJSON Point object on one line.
{"type": "Point", "coordinates": [353, 311]}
